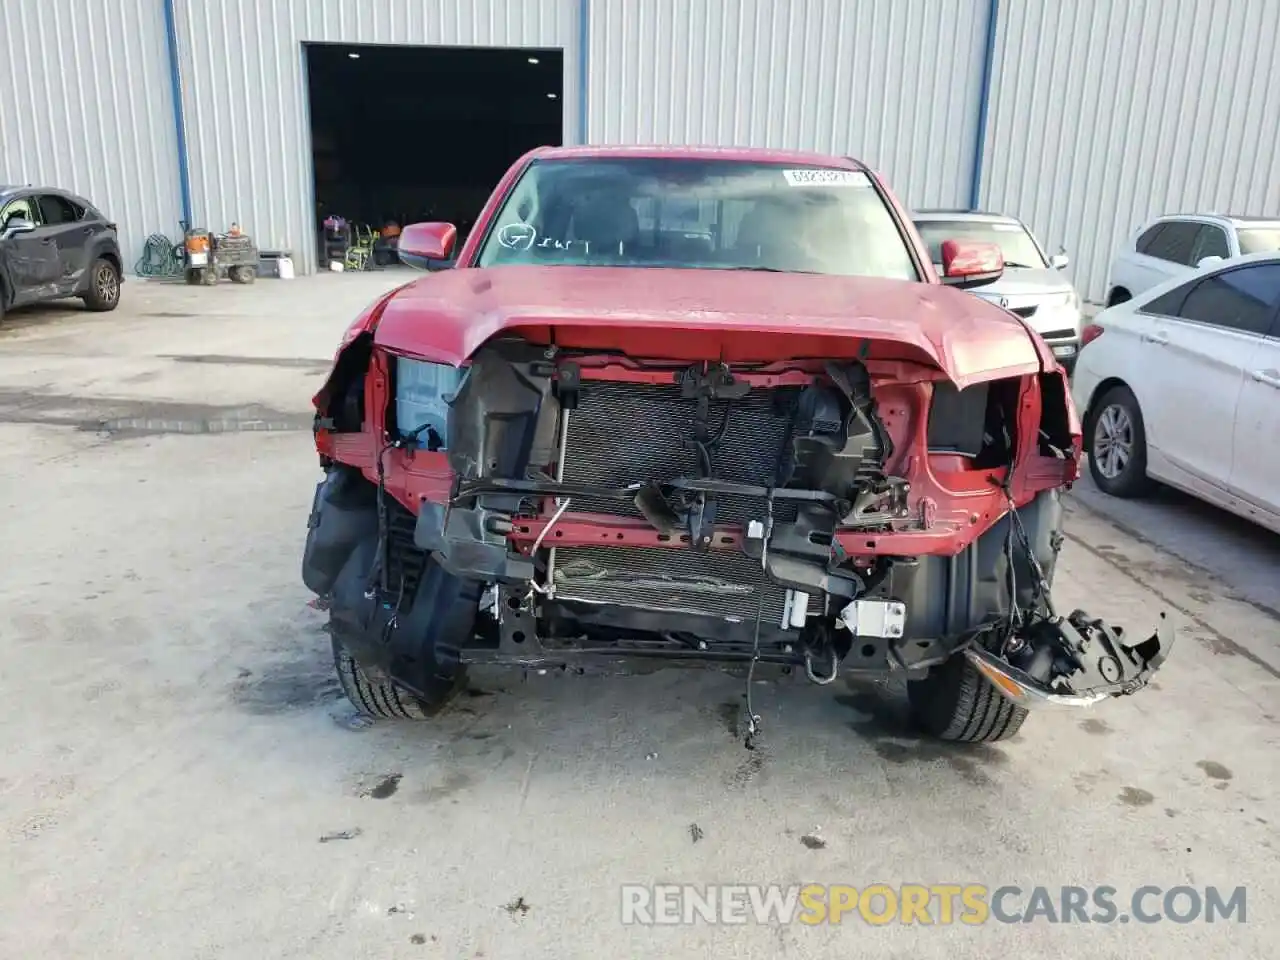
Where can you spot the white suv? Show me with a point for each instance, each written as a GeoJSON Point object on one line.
{"type": "Point", "coordinates": [1178, 245]}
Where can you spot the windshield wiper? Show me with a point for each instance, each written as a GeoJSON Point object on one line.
{"type": "Point", "coordinates": [767, 270]}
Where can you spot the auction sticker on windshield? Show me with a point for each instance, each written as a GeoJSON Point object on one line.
{"type": "Point", "coordinates": [824, 178]}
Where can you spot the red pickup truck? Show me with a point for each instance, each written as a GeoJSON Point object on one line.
{"type": "Point", "coordinates": [702, 406]}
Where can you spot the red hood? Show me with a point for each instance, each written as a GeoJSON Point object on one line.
{"type": "Point", "coordinates": [679, 314]}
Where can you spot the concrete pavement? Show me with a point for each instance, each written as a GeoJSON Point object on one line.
{"type": "Point", "coordinates": [181, 778]}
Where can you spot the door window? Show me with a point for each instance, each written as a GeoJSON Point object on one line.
{"type": "Point", "coordinates": [58, 210]}
{"type": "Point", "coordinates": [1148, 238]}
{"type": "Point", "coordinates": [1175, 241]}
{"type": "Point", "coordinates": [1168, 304]}
{"type": "Point", "coordinates": [1210, 242]}
{"type": "Point", "coordinates": [17, 210]}
{"type": "Point", "coordinates": [1244, 299]}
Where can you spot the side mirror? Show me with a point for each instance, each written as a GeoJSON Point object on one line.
{"type": "Point", "coordinates": [1060, 261]}
{"type": "Point", "coordinates": [15, 226]}
{"type": "Point", "coordinates": [1207, 262]}
{"type": "Point", "coordinates": [971, 263]}
{"type": "Point", "coordinates": [423, 243]}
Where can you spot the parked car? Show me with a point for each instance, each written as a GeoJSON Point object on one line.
{"type": "Point", "coordinates": [1181, 385]}
{"type": "Point", "coordinates": [1032, 285]}
{"type": "Point", "coordinates": [54, 244]}
{"type": "Point", "coordinates": [1176, 246]}
{"type": "Point", "coordinates": [702, 406]}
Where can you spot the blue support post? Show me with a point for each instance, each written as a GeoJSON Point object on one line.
{"type": "Point", "coordinates": [584, 73]}
{"type": "Point", "coordinates": [175, 79]}
{"type": "Point", "coordinates": [984, 103]}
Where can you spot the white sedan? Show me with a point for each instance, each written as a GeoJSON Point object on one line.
{"type": "Point", "coordinates": [1181, 385]}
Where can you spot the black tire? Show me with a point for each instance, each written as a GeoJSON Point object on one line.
{"type": "Point", "coordinates": [1130, 479]}
{"type": "Point", "coordinates": [1118, 295]}
{"type": "Point", "coordinates": [104, 286]}
{"type": "Point", "coordinates": [209, 276]}
{"type": "Point", "coordinates": [957, 703]}
{"type": "Point", "coordinates": [381, 698]}
{"type": "Point", "coordinates": [243, 274]}
{"type": "Point", "coordinates": [193, 277]}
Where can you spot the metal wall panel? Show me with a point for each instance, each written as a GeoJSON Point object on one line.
{"type": "Point", "coordinates": [1105, 113]}
{"type": "Point", "coordinates": [245, 95]}
{"type": "Point", "coordinates": [86, 104]}
{"type": "Point", "coordinates": [892, 82]}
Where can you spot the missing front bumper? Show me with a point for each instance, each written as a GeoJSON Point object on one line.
{"type": "Point", "coordinates": [1074, 661]}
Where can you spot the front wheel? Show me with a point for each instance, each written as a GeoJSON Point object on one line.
{"type": "Point", "coordinates": [955, 702]}
{"type": "Point", "coordinates": [104, 286]}
{"type": "Point", "coordinates": [380, 697]}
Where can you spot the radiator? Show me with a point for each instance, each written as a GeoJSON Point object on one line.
{"type": "Point", "coordinates": [625, 433]}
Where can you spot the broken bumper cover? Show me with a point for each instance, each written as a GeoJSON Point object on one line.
{"type": "Point", "coordinates": [1091, 663]}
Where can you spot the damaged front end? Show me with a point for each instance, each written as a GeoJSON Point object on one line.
{"type": "Point", "coordinates": [1071, 661]}
{"type": "Point", "coordinates": [550, 508]}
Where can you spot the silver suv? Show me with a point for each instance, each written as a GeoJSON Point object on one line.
{"type": "Point", "coordinates": [1032, 285]}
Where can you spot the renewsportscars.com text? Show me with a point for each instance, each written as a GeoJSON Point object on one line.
{"type": "Point", "coordinates": [928, 904]}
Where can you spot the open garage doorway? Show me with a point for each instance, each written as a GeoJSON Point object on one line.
{"type": "Point", "coordinates": [408, 133]}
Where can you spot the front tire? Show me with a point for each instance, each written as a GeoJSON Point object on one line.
{"type": "Point", "coordinates": [957, 703]}
{"type": "Point", "coordinates": [103, 294]}
{"type": "Point", "coordinates": [1118, 445]}
{"type": "Point", "coordinates": [380, 697]}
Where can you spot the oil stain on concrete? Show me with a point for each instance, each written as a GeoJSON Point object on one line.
{"type": "Point", "coordinates": [1136, 797]}
{"type": "Point", "coordinates": [1214, 770]}
{"type": "Point", "coordinates": [385, 787]}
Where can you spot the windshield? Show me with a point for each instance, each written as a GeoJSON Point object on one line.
{"type": "Point", "coordinates": [1259, 239]}
{"type": "Point", "coordinates": [712, 214]}
{"type": "Point", "coordinates": [1015, 243]}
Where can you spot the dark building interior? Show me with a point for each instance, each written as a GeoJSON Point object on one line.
{"type": "Point", "coordinates": [410, 133]}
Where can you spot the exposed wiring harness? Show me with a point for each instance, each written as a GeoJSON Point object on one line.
{"type": "Point", "coordinates": [534, 586]}
{"type": "Point", "coordinates": [381, 564]}
{"type": "Point", "coordinates": [1017, 534]}
{"type": "Point", "coordinates": [753, 718]}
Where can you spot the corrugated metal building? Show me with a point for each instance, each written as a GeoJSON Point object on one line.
{"type": "Point", "coordinates": [1104, 113]}
{"type": "Point", "coordinates": [85, 104]}
{"type": "Point", "coordinates": [1083, 118]}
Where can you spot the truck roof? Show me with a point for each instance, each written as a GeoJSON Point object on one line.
{"type": "Point", "coordinates": [742, 154]}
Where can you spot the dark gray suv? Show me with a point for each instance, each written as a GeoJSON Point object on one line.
{"type": "Point", "coordinates": [55, 244]}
